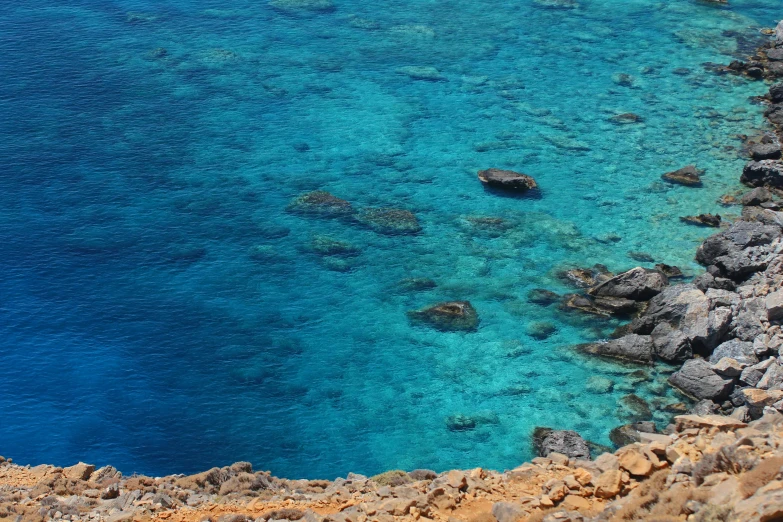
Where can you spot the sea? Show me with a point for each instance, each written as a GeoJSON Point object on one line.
{"type": "Point", "coordinates": [164, 308]}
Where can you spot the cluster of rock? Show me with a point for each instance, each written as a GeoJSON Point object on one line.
{"type": "Point", "coordinates": [766, 63]}
{"type": "Point", "coordinates": [706, 465]}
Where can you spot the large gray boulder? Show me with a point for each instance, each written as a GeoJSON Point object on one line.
{"type": "Point", "coordinates": [632, 347]}
{"type": "Point", "coordinates": [547, 440]}
{"type": "Point", "coordinates": [670, 344]}
{"type": "Point", "coordinates": [638, 284]}
{"type": "Point", "coordinates": [674, 305]}
{"type": "Point", "coordinates": [740, 250]}
{"type": "Point", "coordinates": [741, 351]}
{"type": "Point", "coordinates": [696, 379]}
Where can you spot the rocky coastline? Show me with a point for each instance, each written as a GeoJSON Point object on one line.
{"type": "Point", "coordinates": [721, 460]}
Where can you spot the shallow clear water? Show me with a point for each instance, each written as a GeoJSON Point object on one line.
{"type": "Point", "coordinates": [136, 327]}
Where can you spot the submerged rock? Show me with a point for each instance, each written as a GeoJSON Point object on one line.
{"type": "Point", "coordinates": [565, 442]}
{"type": "Point", "coordinates": [697, 379]}
{"type": "Point", "coordinates": [703, 220]}
{"type": "Point", "coordinates": [642, 257]}
{"type": "Point", "coordinates": [430, 74]}
{"type": "Point", "coordinates": [638, 284]}
{"type": "Point", "coordinates": [584, 277]}
{"type": "Point", "coordinates": [329, 246]}
{"type": "Point", "coordinates": [689, 176]}
{"type": "Point", "coordinates": [297, 6]}
{"type": "Point", "coordinates": [389, 220]}
{"type": "Point", "coordinates": [507, 180]}
{"type": "Point", "coordinates": [542, 297]}
{"type": "Point", "coordinates": [320, 204]}
{"type": "Point", "coordinates": [638, 406]}
{"type": "Point", "coordinates": [626, 118]}
{"type": "Point", "coordinates": [449, 316]}
{"type": "Point", "coordinates": [416, 284]}
{"type": "Point", "coordinates": [541, 329]}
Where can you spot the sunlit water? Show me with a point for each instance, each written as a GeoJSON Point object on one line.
{"type": "Point", "coordinates": [162, 311]}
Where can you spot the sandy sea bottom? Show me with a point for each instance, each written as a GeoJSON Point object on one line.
{"type": "Point", "coordinates": [162, 310]}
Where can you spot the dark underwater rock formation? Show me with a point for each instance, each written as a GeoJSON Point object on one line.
{"type": "Point", "coordinates": [449, 316]}
{"type": "Point", "coordinates": [321, 204]}
{"type": "Point", "coordinates": [389, 220]}
{"type": "Point", "coordinates": [507, 180]}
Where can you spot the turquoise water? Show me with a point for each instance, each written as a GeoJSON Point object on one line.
{"type": "Point", "coordinates": [162, 311]}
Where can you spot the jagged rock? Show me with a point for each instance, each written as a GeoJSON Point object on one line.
{"type": "Point", "coordinates": [453, 315]}
{"type": "Point", "coordinates": [638, 284]}
{"type": "Point", "coordinates": [774, 305]}
{"type": "Point", "coordinates": [757, 399]}
{"type": "Point", "coordinates": [763, 173]}
{"type": "Point", "coordinates": [569, 443]}
{"type": "Point", "coordinates": [320, 204]}
{"type": "Point", "coordinates": [776, 93]}
{"type": "Point", "coordinates": [600, 305]}
{"type": "Point", "coordinates": [669, 344]}
{"type": "Point", "coordinates": [765, 151]}
{"type": "Point", "coordinates": [80, 471]}
{"type": "Point", "coordinates": [704, 407]}
{"type": "Point", "coordinates": [630, 433]}
{"type": "Point", "coordinates": [697, 380]}
{"type": "Point", "coordinates": [633, 461]}
{"type": "Point", "coordinates": [689, 176]}
{"type": "Point", "coordinates": [609, 484]}
{"type": "Point", "coordinates": [671, 272]}
{"type": "Point", "coordinates": [632, 347]}
{"type": "Point", "coordinates": [739, 350]}
{"type": "Point", "coordinates": [703, 220]}
{"type": "Point", "coordinates": [731, 250]}
{"type": "Point", "coordinates": [773, 377]}
{"type": "Point", "coordinates": [507, 180]}
{"type": "Point", "coordinates": [728, 367]}
{"type": "Point", "coordinates": [389, 220]}
{"type": "Point", "coordinates": [753, 374]}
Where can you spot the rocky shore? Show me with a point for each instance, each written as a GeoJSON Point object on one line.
{"type": "Point", "coordinates": [721, 460]}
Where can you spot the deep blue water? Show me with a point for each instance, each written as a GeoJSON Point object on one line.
{"type": "Point", "coordinates": [161, 310]}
